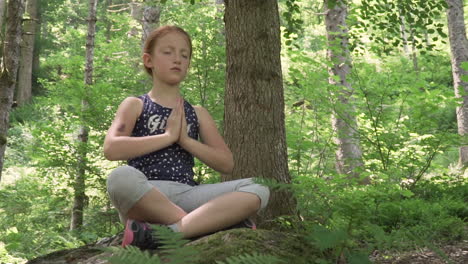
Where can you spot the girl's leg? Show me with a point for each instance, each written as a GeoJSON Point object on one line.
{"type": "Point", "coordinates": [135, 198]}
{"type": "Point", "coordinates": [155, 207]}
{"type": "Point", "coordinates": [213, 207]}
{"type": "Point", "coordinates": [221, 212]}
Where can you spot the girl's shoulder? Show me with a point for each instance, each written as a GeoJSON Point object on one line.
{"type": "Point", "coordinates": [200, 110]}
{"type": "Point", "coordinates": [133, 101]}
{"type": "Point", "coordinates": [202, 113]}
{"type": "Point", "coordinates": [132, 105]}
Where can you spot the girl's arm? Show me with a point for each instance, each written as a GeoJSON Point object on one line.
{"type": "Point", "coordinates": [212, 151]}
{"type": "Point", "coordinates": [119, 145]}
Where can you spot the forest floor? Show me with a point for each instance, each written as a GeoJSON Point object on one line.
{"type": "Point", "coordinates": [449, 254]}
{"type": "Point", "coordinates": [457, 253]}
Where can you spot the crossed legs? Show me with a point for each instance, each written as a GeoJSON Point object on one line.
{"type": "Point", "coordinates": [218, 213]}
{"type": "Point", "coordinates": [195, 210]}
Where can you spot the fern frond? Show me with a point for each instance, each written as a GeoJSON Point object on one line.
{"type": "Point", "coordinates": [131, 255]}
{"type": "Point", "coordinates": [254, 258]}
{"type": "Point", "coordinates": [173, 247]}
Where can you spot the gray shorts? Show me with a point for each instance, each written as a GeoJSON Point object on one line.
{"type": "Point", "coordinates": [126, 185]}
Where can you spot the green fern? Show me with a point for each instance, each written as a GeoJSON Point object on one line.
{"type": "Point", "coordinates": [131, 255]}
{"type": "Point", "coordinates": [255, 258]}
{"type": "Point", "coordinates": [173, 247]}
{"type": "Point", "coordinates": [172, 250]}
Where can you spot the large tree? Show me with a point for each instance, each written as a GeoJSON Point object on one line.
{"type": "Point", "coordinates": [254, 125]}
{"type": "Point", "coordinates": [8, 71]}
{"type": "Point", "coordinates": [30, 25]}
{"type": "Point", "coordinates": [79, 185]}
{"type": "Point", "coordinates": [348, 154]}
{"type": "Point", "coordinates": [459, 49]}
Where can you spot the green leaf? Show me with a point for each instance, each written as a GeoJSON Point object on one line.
{"type": "Point", "coordinates": [358, 258]}
{"type": "Point", "coordinates": [252, 258]}
{"type": "Point", "coordinates": [407, 193]}
{"type": "Point", "coordinates": [325, 239]}
{"type": "Point", "coordinates": [464, 65]}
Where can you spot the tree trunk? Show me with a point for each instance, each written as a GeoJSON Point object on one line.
{"type": "Point", "coordinates": [108, 21]}
{"type": "Point", "coordinates": [9, 69]}
{"type": "Point", "coordinates": [37, 49]}
{"type": "Point", "coordinates": [459, 49]}
{"type": "Point", "coordinates": [149, 21]}
{"type": "Point", "coordinates": [80, 187]}
{"type": "Point", "coordinates": [219, 6]}
{"type": "Point", "coordinates": [24, 88]}
{"type": "Point", "coordinates": [404, 34]}
{"type": "Point", "coordinates": [414, 52]}
{"type": "Point", "coordinates": [220, 17]}
{"type": "Point", "coordinates": [147, 16]}
{"type": "Point", "coordinates": [2, 15]}
{"type": "Point", "coordinates": [254, 101]}
{"type": "Point", "coordinates": [348, 155]}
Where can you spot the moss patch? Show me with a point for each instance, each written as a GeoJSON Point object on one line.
{"type": "Point", "coordinates": [216, 247]}
{"type": "Point", "coordinates": [289, 247]}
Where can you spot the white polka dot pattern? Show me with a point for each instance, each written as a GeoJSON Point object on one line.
{"type": "Point", "coordinates": [172, 163]}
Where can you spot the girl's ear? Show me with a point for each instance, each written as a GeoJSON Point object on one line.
{"type": "Point", "coordinates": [147, 60]}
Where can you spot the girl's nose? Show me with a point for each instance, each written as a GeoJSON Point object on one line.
{"type": "Point", "coordinates": [178, 58]}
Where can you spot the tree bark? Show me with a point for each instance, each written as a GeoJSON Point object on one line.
{"type": "Point", "coordinates": [79, 186]}
{"type": "Point", "coordinates": [149, 21]}
{"type": "Point", "coordinates": [37, 49]}
{"type": "Point", "coordinates": [147, 16]}
{"type": "Point", "coordinates": [348, 154]}
{"type": "Point", "coordinates": [8, 72]}
{"type": "Point", "coordinates": [24, 88]}
{"type": "Point", "coordinates": [254, 101]}
{"type": "Point", "coordinates": [2, 14]}
{"type": "Point", "coordinates": [404, 34]}
{"type": "Point", "coordinates": [108, 21]}
{"type": "Point", "coordinates": [459, 50]}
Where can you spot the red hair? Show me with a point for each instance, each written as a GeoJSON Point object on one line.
{"type": "Point", "coordinates": [159, 33]}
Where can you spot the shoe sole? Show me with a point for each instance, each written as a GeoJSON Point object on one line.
{"type": "Point", "coordinates": [128, 234]}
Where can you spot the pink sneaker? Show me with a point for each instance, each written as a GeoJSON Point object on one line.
{"type": "Point", "coordinates": [140, 235]}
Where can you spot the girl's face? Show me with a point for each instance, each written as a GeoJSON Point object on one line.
{"type": "Point", "coordinates": [170, 58]}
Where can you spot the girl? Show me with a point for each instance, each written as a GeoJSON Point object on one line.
{"type": "Point", "coordinates": [158, 134]}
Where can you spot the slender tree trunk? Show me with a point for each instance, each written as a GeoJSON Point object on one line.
{"type": "Point", "coordinates": [404, 34]}
{"type": "Point", "coordinates": [254, 100]}
{"type": "Point", "coordinates": [147, 16]}
{"type": "Point", "coordinates": [459, 50]}
{"type": "Point", "coordinates": [108, 22]}
{"type": "Point", "coordinates": [9, 69]}
{"type": "Point", "coordinates": [414, 52]}
{"type": "Point", "coordinates": [348, 155]}
{"type": "Point", "coordinates": [2, 21]}
{"type": "Point", "coordinates": [219, 6]}
{"type": "Point", "coordinates": [79, 187]}
{"type": "Point", "coordinates": [149, 21]}
{"type": "Point", "coordinates": [2, 14]}
{"type": "Point", "coordinates": [24, 87]}
{"type": "Point", "coordinates": [37, 49]}
{"type": "Point", "coordinates": [219, 16]}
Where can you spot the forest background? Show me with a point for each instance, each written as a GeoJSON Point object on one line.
{"type": "Point", "coordinates": [400, 103]}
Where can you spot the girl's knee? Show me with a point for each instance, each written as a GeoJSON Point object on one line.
{"type": "Point", "coordinates": [126, 185]}
{"type": "Point", "coordinates": [122, 178]}
{"type": "Point", "coordinates": [260, 190]}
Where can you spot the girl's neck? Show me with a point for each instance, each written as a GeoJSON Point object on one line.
{"type": "Point", "coordinates": [165, 95]}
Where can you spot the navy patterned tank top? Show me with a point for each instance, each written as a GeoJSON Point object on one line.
{"type": "Point", "coordinates": [172, 163]}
